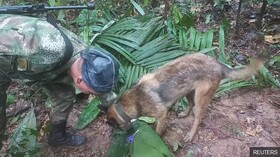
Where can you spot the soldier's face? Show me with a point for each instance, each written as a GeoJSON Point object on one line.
{"type": "Point", "coordinates": [83, 87]}
{"type": "Point", "coordinates": [75, 72]}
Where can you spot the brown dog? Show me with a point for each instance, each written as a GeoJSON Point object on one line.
{"type": "Point", "coordinates": [194, 76]}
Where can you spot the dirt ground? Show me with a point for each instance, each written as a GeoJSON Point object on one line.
{"type": "Point", "coordinates": [231, 125]}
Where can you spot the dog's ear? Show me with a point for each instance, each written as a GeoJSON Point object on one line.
{"type": "Point", "coordinates": [110, 115]}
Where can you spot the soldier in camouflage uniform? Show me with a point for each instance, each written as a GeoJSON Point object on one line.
{"type": "Point", "coordinates": [33, 50]}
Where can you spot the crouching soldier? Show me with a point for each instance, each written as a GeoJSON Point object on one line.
{"type": "Point", "coordinates": [37, 51]}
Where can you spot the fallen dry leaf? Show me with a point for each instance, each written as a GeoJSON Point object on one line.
{"type": "Point", "coordinates": [273, 39]}
{"type": "Point", "coordinates": [252, 20]}
{"type": "Point", "coordinates": [44, 126]}
{"type": "Point", "coordinates": [250, 132]}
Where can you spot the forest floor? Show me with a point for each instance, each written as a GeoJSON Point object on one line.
{"type": "Point", "coordinates": [231, 125]}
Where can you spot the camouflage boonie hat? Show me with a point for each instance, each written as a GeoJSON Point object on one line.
{"type": "Point", "coordinates": [100, 70]}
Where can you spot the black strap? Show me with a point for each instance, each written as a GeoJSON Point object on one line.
{"type": "Point", "coordinates": [67, 54]}
{"type": "Point", "coordinates": [69, 46]}
{"type": "Point", "coordinates": [121, 112]}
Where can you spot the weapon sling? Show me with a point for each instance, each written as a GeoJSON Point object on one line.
{"type": "Point", "coordinates": [68, 44]}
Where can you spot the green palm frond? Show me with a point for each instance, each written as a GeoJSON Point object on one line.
{"type": "Point", "coordinates": [222, 55]}
{"type": "Point", "coordinates": [140, 44]}
{"type": "Point", "coordinates": [127, 35]}
{"type": "Point", "coordinates": [153, 47]}
{"type": "Point", "coordinates": [195, 40]}
{"type": "Point", "coordinates": [227, 85]}
{"type": "Point", "coordinates": [131, 75]}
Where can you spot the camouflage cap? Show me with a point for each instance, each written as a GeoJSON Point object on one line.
{"type": "Point", "coordinates": [100, 70]}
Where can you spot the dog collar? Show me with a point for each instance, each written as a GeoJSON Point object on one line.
{"type": "Point", "coordinates": [121, 112]}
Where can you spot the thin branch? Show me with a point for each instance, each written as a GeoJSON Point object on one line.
{"type": "Point", "coordinates": [260, 17]}
{"type": "Point", "coordinates": [238, 18]}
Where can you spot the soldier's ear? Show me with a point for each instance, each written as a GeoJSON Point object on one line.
{"type": "Point", "coordinates": [79, 80]}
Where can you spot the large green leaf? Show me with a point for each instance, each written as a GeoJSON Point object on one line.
{"type": "Point", "coordinates": [89, 113]}
{"type": "Point", "coordinates": [118, 147]}
{"type": "Point", "coordinates": [137, 7]}
{"type": "Point", "coordinates": [143, 142]}
{"type": "Point", "coordinates": [23, 140]}
{"type": "Point", "coordinates": [147, 143]}
{"type": "Point", "coordinates": [147, 119]}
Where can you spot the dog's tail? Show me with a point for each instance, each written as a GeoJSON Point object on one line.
{"type": "Point", "coordinates": [245, 72]}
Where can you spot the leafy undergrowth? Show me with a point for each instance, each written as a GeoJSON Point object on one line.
{"type": "Point", "coordinates": [231, 125]}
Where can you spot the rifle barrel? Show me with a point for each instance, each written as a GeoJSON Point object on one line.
{"type": "Point", "coordinates": [39, 8]}
{"type": "Point", "coordinates": [69, 7]}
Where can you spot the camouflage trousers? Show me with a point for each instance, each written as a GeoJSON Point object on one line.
{"type": "Point", "coordinates": [4, 85]}
{"type": "Point", "coordinates": [62, 96]}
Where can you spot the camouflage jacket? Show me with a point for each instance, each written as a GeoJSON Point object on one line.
{"type": "Point", "coordinates": [36, 43]}
{"type": "Point", "coordinates": [24, 38]}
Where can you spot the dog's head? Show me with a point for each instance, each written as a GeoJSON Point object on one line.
{"type": "Point", "coordinates": [117, 118]}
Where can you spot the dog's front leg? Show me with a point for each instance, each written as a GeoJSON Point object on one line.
{"type": "Point", "coordinates": [195, 126]}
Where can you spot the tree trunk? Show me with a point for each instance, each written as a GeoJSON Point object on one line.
{"type": "Point", "coordinates": [238, 18]}
{"type": "Point", "coordinates": [260, 17]}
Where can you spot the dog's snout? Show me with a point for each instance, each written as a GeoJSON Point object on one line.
{"type": "Point", "coordinates": [112, 123]}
